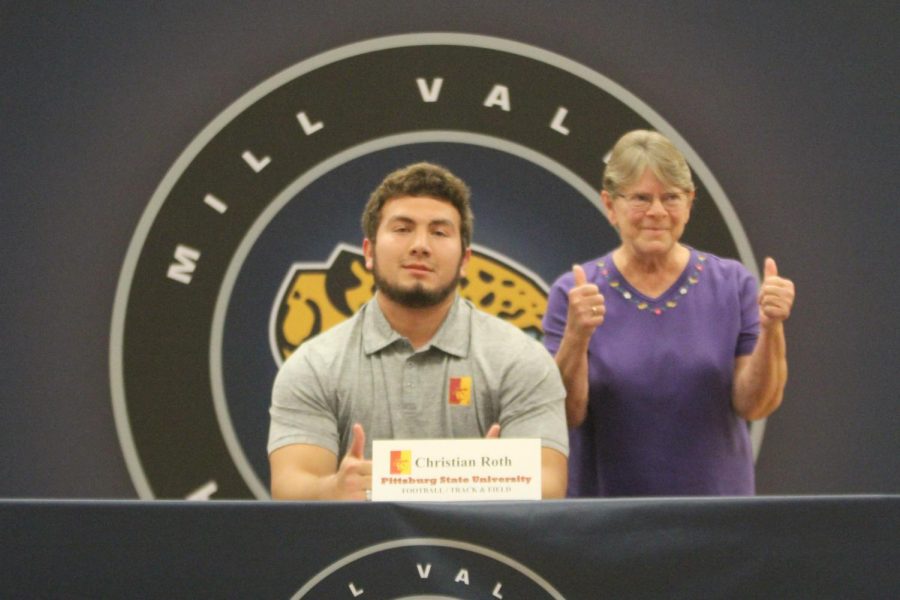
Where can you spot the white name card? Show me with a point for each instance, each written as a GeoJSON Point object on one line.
{"type": "Point", "coordinates": [454, 469]}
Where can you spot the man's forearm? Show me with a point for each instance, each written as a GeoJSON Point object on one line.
{"type": "Point", "coordinates": [554, 474]}
{"type": "Point", "coordinates": [303, 486]}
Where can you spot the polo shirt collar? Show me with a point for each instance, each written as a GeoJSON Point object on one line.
{"type": "Point", "coordinates": [452, 337]}
{"type": "Point", "coordinates": [377, 332]}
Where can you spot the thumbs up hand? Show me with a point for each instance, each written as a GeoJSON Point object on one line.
{"type": "Point", "coordinates": [586, 305]}
{"type": "Point", "coordinates": [776, 295]}
{"type": "Point", "coordinates": [354, 475]}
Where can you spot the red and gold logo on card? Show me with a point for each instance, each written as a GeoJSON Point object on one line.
{"type": "Point", "coordinates": [460, 390]}
{"type": "Point", "coordinates": [401, 462]}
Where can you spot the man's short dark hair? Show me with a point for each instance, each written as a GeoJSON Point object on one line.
{"type": "Point", "coordinates": [419, 180]}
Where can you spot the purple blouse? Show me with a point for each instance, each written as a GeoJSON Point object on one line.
{"type": "Point", "coordinates": [660, 420]}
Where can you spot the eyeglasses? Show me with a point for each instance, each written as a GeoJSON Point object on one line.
{"type": "Point", "coordinates": [643, 202]}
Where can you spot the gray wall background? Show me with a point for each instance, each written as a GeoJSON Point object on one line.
{"type": "Point", "coordinates": [793, 106]}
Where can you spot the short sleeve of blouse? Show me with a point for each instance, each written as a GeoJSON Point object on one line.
{"type": "Point", "coordinates": [748, 290]}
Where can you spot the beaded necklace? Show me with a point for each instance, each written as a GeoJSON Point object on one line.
{"type": "Point", "coordinates": [696, 268]}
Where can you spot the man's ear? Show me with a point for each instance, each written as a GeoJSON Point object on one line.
{"type": "Point", "coordinates": [467, 255]}
{"type": "Point", "coordinates": [369, 253]}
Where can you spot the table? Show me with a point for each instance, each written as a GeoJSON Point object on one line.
{"type": "Point", "coordinates": [763, 547]}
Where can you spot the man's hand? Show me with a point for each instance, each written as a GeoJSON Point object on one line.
{"type": "Point", "coordinates": [493, 432]}
{"type": "Point", "coordinates": [776, 296]}
{"type": "Point", "coordinates": [586, 305]}
{"type": "Point", "coordinates": [354, 475]}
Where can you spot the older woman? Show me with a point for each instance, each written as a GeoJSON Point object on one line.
{"type": "Point", "coordinates": [666, 351]}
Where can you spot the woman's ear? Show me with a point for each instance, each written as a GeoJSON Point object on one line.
{"type": "Point", "coordinates": [607, 201]}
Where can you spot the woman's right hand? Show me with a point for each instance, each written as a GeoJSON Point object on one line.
{"type": "Point", "coordinates": [587, 307]}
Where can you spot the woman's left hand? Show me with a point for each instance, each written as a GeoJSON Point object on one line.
{"type": "Point", "coordinates": [776, 296]}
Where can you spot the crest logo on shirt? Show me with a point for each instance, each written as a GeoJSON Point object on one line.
{"type": "Point", "coordinates": [247, 247]}
{"type": "Point", "coordinates": [460, 390]}
{"type": "Point", "coordinates": [401, 462]}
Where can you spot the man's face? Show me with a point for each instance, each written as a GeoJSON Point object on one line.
{"type": "Point", "coordinates": [417, 257]}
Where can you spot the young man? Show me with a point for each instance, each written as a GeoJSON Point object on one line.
{"type": "Point", "coordinates": [387, 372]}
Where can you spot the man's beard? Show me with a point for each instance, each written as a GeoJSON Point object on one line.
{"type": "Point", "coordinates": [416, 296]}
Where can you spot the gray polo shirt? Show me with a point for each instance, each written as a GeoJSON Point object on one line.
{"type": "Point", "coordinates": [476, 371]}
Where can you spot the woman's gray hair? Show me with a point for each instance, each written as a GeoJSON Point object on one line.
{"type": "Point", "coordinates": [639, 150]}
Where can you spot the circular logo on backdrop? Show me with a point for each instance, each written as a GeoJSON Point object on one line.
{"type": "Point", "coordinates": [450, 569]}
{"type": "Point", "coordinates": [250, 244]}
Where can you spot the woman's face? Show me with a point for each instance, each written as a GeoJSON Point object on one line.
{"type": "Point", "coordinates": [649, 215]}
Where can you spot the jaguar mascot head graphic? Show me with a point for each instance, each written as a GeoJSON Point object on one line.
{"type": "Point", "coordinates": [316, 297]}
